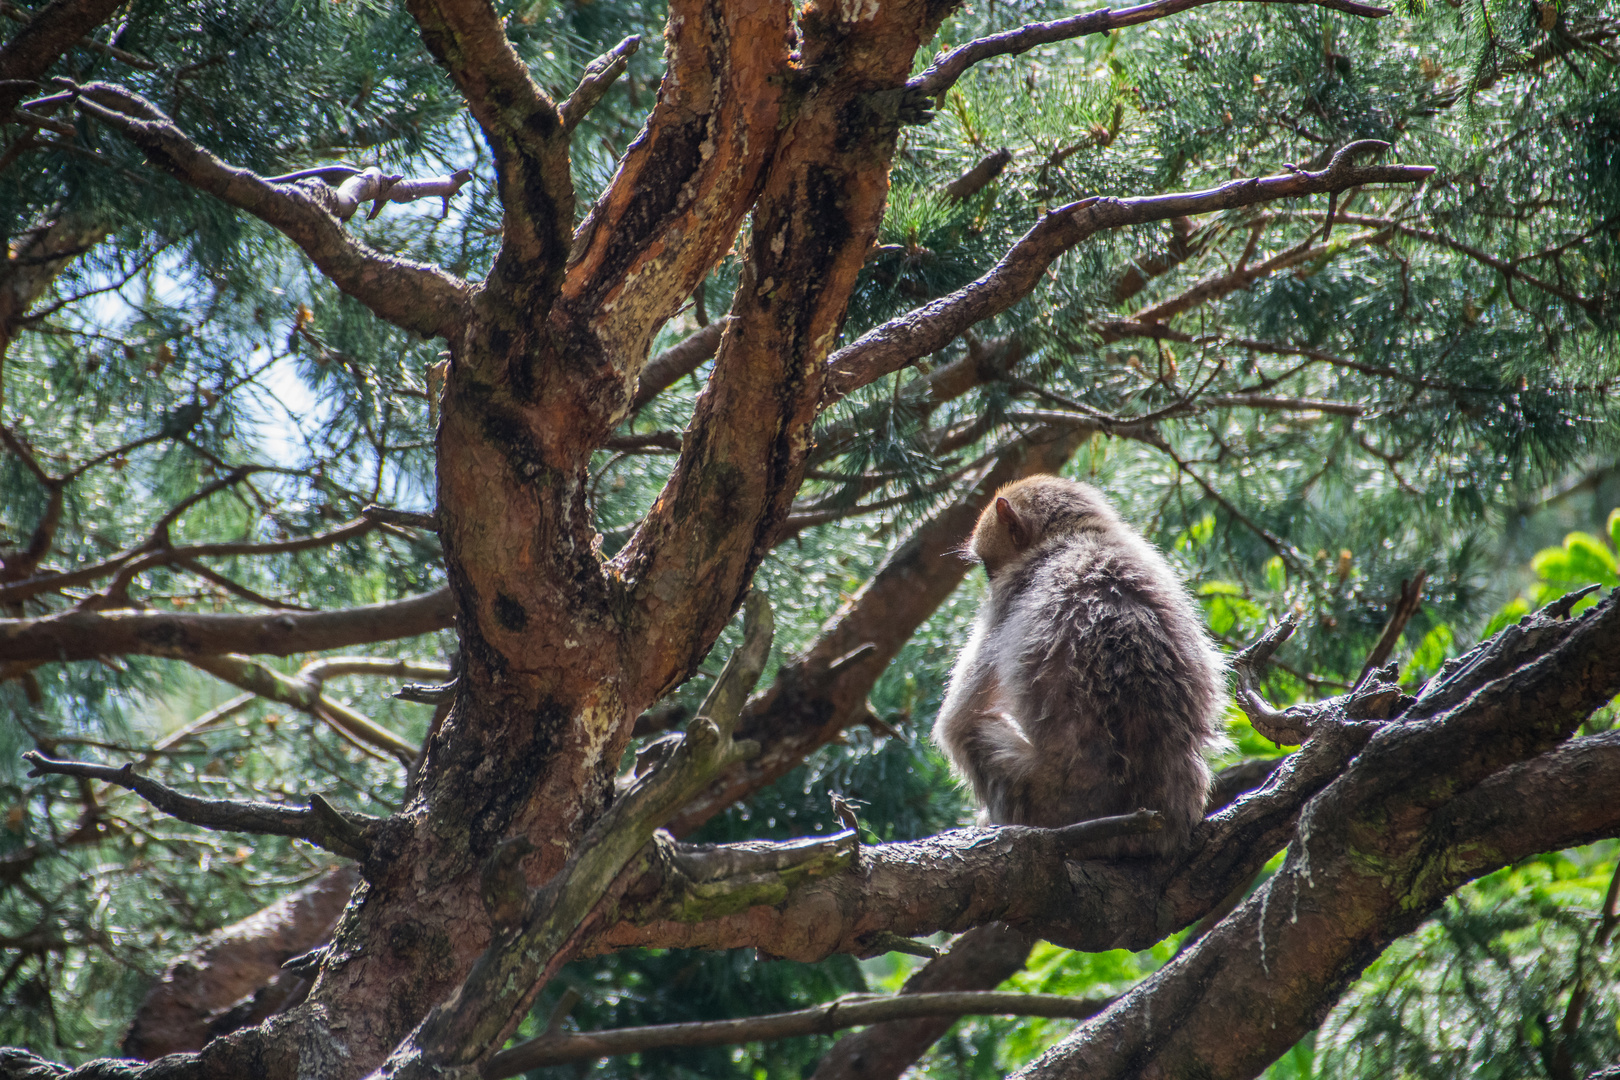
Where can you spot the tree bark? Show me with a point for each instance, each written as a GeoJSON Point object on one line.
{"type": "Point", "coordinates": [232, 963]}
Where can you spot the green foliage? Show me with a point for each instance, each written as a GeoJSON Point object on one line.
{"type": "Point", "coordinates": [1484, 988]}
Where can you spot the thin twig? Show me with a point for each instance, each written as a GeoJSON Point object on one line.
{"type": "Point", "coordinates": [1400, 613]}
{"type": "Point", "coordinates": [553, 1049]}
{"type": "Point", "coordinates": [343, 833]}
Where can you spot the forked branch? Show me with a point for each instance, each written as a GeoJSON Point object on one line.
{"type": "Point", "coordinates": [905, 338]}
{"type": "Point", "coordinates": [943, 73]}
{"type": "Point", "coordinates": [525, 133]}
{"type": "Point", "coordinates": [338, 831]}
{"type": "Point", "coordinates": [411, 295]}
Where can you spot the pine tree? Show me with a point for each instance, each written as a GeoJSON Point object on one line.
{"type": "Point", "coordinates": [497, 352]}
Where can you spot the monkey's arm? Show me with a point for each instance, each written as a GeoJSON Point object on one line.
{"type": "Point", "coordinates": [987, 748]}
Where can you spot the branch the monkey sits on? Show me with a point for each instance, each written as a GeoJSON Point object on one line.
{"type": "Point", "coordinates": [1088, 687]}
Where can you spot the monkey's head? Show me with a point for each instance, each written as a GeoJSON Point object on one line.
{"type": "Point", "coordinates": [1030, 511]}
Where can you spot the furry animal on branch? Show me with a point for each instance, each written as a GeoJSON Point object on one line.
{"type": "Point", "coordinates": [1089, 687]}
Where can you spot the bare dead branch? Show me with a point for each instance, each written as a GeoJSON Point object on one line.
{"type": "Point", "coordinates": [84, 635]}
{"type": "Point", "coordinates": [1287, 727]}
{"type": "Point", "coordinates": [1400, 613]}
{"type": "Point", "coordinates": [351, 187]}
{"type": "Point", "coordinates": [903, 339]}
{"type": "Point", "coordinates": [818, 1020]}
{"type": "Point", "coordinates": [341, 832]}
{"type": "Point", "coordinates": [599, 75]}
{"type": "Point", "coordinates": [951, 66]}
{"type": "Point", "coordinates": [443, 188]}
{"type": "Point", "coordinates": [411, 295]}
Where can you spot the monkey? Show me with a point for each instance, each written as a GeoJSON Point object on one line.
{"type": "Point", "coordinates": [1088, 686]}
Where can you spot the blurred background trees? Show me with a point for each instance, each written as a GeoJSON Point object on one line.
{"type": "Point", "coordinates": [1309, 404]}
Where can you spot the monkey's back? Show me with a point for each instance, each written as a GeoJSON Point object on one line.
{"type": "Point", "coordinates": [1110, 674]}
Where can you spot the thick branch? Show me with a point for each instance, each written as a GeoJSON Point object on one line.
{"type": "Point", "coordinates": [917, 333]}
{"type": "Point", "coordinates": [1555, 673]}
{"type": "Point", "coordinates": [978, 960]}
{"type": "Point", "coordinates": [685, 183]}
{"type": "Point", "coordinates": [231, 963]}
{"type": "Point", "coordinates": [818, 210]}
{"type": "Point", "coordinates": [526, 137]}
{"type": "Point", "coordinates": [340, 832]}
{"type": "Point", "coordinates": [953, 881]}
{"type": "Point", "coordinates": [409, 294]}
{"type": "Point", "coordinates": [84, 635]}
{"type": "Point", "coordinates": [1428, 805]}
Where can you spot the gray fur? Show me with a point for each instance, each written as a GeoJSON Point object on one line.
{"type": "Point", "coordinates": [1089, 687]}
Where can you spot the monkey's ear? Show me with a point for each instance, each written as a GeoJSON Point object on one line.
{"type": "Point", "coordinates": [1014, 524]}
